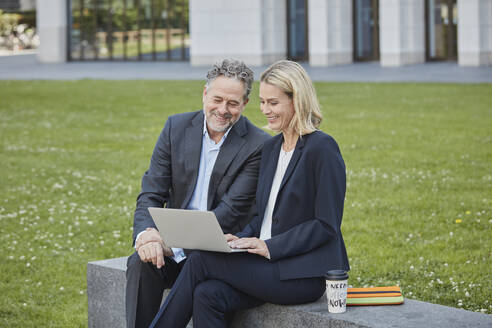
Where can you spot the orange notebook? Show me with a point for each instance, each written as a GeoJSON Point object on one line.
{"type": "Point", "coordinates": [390, 295]}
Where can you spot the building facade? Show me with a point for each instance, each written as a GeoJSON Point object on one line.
{"type": "Point", "coordinates": [320, 32]}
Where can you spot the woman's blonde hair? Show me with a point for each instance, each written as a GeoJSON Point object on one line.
{"type": "Point", "coordinates": [292, 79]}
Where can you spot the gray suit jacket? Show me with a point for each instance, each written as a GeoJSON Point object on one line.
{"type": "Point", "coordinates": [173, 171]}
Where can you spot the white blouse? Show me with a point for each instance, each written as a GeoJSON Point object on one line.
{"type": "Point", "coordinates": [283, 161]}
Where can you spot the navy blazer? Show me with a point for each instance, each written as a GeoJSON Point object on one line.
{"type": "Point", "coordinates": [173, 171]}
{"type": "Point", "coordinates": [306, 238]}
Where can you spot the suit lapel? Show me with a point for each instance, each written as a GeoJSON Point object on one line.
{"type": "Point", "coordinates": [293, 161]}
{"type": "Point", "coordinates": [193, 148]}
{"type": "Point", "coordinates": [228, 151]}
{"type": "Point", "coordinates": [268, 175]}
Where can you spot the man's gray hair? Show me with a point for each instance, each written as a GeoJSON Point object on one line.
{"type": "Point", "coordinates": [232, 68]}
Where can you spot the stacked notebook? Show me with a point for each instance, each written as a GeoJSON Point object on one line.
{"type": "Point", "coordinates": [374, 296]}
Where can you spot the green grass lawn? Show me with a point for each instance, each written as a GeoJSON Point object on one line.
{"type": "Point", "coordinates": [417, 212]}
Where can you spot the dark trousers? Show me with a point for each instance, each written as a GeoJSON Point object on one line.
{"type": "Point", "coordinates": [212, 285]}
{"type": "Point", "coordinates": [145, 285]}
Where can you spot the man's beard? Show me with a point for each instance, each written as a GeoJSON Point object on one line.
{"type": "Point", "coordinates": [212, 124]}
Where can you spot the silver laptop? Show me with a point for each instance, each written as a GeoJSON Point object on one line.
{"type": "Point", "coordinates": [191, 229]}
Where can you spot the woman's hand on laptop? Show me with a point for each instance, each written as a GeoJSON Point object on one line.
{"type": "Point", "coordinates": [230, 237]}
{"type": "Point", "coordinates": [254, 245]}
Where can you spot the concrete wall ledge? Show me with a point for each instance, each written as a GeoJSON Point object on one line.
{"type": "Point", "coordinates": [106, 296]}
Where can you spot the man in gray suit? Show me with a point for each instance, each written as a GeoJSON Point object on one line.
{"type": "Point", "coordinates": [205, 160]}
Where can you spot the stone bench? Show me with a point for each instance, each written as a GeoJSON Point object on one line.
{"type": "Point", "coordinates": [106, 296]}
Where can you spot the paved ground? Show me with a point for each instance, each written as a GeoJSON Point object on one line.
{"type": "Point", "coordinates": [26, 67]}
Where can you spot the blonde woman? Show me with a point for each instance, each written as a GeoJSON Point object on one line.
{"type": "Point", "coordinates": [295, 238]}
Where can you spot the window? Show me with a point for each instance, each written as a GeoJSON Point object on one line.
{"type": "Point", "coordinates": [297, 37]}
{"type": "Point", "coordinates": [441, 29]}
{"type": "Point", "coordinates": [128, 30]}
{"type": "Point", "coordinates": [366, 30]}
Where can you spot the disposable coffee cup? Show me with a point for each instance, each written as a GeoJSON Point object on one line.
{"type": "Point", "coordinates": [336, 290]}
